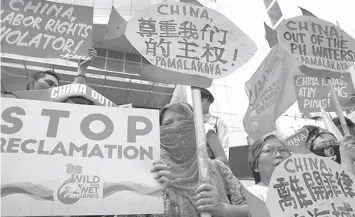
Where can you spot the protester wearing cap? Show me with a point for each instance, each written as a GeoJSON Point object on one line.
{"type": "Point", "coordinates": [214, 124]}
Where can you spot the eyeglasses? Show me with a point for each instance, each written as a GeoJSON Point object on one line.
{"type": "Point", "coordinates": [272, 151]}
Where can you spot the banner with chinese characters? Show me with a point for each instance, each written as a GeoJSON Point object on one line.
{"type": "Point", "coordinates": [313, 92]}
{"type": "Point", "coordinates": [318, 44]}
{"type": "Point", "coordinates": [189, 39]}
{"type": "Point", "coordinates": [60, 159]}
{"type": "Point", "coordinates": [46, 29]}
{"type": "Point", "coordinates": [310, 186]}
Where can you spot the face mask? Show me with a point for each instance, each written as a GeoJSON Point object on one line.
{"type": "Point", "coordinates": [331, 151]}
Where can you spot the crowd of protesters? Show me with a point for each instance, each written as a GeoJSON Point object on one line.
{"type": "Point", "coordinates": [178, 170]}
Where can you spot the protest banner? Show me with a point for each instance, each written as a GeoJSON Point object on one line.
{"type": "Point", "coordinates": [313, 92]}
{"type": "Point", "coordinates": [318, 44]}
{"type": "Point", "coordinates": [46, 29]}
{"type": "Point", "coordinates": [296, 143]}
{"type": "Point", "coordinates": [64, 92]}
{"type": "Point", "coordinates": [116, 25]}
{"type": "Point", "coordinates": [270, 91]}
{"type": "Point", "coordinates": [189, 39]}
{"type": "Point", "coordinates": [100, 165]}
{"type": "Point", "coordinates": [310, 185]}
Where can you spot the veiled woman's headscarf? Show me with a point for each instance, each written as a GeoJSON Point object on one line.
{"type": "Point", "coordinates": [178, 150]}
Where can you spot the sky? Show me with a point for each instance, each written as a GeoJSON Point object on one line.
{"type": "Point", "coordinates": [250, 15]}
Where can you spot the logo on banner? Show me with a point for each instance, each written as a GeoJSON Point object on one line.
{"type": "Point", "coordinates": [78, 186]}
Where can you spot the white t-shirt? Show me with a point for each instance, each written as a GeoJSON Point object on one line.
{"type": "Point", "coordinates": [259, 190]}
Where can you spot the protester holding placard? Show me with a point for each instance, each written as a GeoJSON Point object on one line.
{"type": "Point", "coordinates": [264, 156]}
{"type": "Point", "coordinates": [323, 143]}
{"type": "Point", "coordinates": [178, 150]}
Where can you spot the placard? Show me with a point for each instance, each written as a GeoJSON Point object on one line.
{"type": "Point", "coordinates": [310, 185]}
{"type": "Point", "coordinates": [46, 29]}
{"type": "Point", "coordinates": [318, 44]}
{"type": "Point", "coordinates": [63, 159]}
{"type": "Point", "coordinates": [296, 143]}
{"type": "Point", "coordinates": [313, 92]}
{"type": "Point", "coordinates": [189, 39]}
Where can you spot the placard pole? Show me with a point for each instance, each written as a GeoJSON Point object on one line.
{"type": "Point", "coordinates": [201, 150]}
{"type": "Point", "coordinates": [338, 110]}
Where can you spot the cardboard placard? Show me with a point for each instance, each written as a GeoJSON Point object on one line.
{"type": "Point", "coordinates": [313, 92]}
{"type": "Point", "coordinates": [189, 39]}
{"type": "Point", "coordinates": [318, 44]}
{"type": "Point", "coordinates": [63, 159]}
{"type": "Point", "coordinates": [296, 143]}
{"type": "Point", "coordinates": [46, 29]}
{"type": "Point", "coordinates": [310, 185]}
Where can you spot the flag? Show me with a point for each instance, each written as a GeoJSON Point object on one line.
{"type": "Point", "coordinates": [307, 13]}
{"type": "Point", "coordinates": [330, 125]}
{"type": "Point", "coordinates": [270, 91]}
{"type": "Point", "coordinates": [270, 36]}
{"type": "Point", "coordinates": [116, 25]}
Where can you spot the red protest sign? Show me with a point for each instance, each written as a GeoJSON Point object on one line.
{"type": "Point", "coordinates": [313, 92]}
{"type": "Point", "coordinates": [296, 143]}
{"type": "Point", "coordinates": [64, 92]}
{"type": "Point", "coordinates": [189, 39]}
{"type": "Point", "coordinates": [46, 29]}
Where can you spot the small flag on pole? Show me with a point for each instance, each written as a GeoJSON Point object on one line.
{"type": "Point", "coordinates": [116, 25]}
{"type": "Point", "coordinates": [306, 12]}
{"type": "Point", "coordinates": [330, 125]}
{"type": "Point", "coordinates": [270, 36]}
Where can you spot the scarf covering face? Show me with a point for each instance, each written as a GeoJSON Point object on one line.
{"type": "Point", "coordinates": [178, 150]}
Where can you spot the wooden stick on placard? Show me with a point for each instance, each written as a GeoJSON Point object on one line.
{"type": "Point", "coordinates": [201, 150]}
{"type": "Point", "coordinates": [338, 110]}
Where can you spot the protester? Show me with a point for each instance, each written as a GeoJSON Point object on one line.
{"type": "Point", "coordinates": [42, 80]}
{"type": "Point", "coordinates": [323, 143]}
{"type": "Point", "coordinates": [349, 123]}
{"type": "Point", "coordinates": [269, 151]}
{"type": "Point", "coordinates": [215, 125]}
{"type": "Point", "coordinates": [264, 156]}
{"type": "Point", "coordinates": [184, 196]}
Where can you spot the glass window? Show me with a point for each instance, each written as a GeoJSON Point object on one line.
{"type": "Point", "coordinates": [124, 5]}
{"type": "Point", "coordinates": [138, 5]}
{"type": "Point", "coordinates": [133, 57]}
{"type": "Point", "coordinates": [103, 4]}
{"type": "Point", "coordinates": [219, 81]}
{"type": "Point", "coordinates": [115, 54]}
{"type": "Point", "coordinates": [101, 52]}
{"type": "Point", "coordinates": [145, 61]}
{"type": "Point", "coordinates": [221, 98]}
{"type": "Point", "coordinates": [132, 68]}
{"type": "Point", "coordinates": [115, 65]}
{"type": "Point", "coordinates": [98, 63]}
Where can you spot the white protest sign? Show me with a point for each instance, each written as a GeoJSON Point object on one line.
{"type": "Point", "coordinates": [310, 185]}
{"type": "Point", "coordinates": [66, 159]}
{"type": "Point", "coordinates": [189, 39]}
{"type": "Point", "coordinates": [318, 44]}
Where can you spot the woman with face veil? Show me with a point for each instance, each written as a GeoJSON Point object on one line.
{"type": "Point", "coordinates": [184, 196]}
